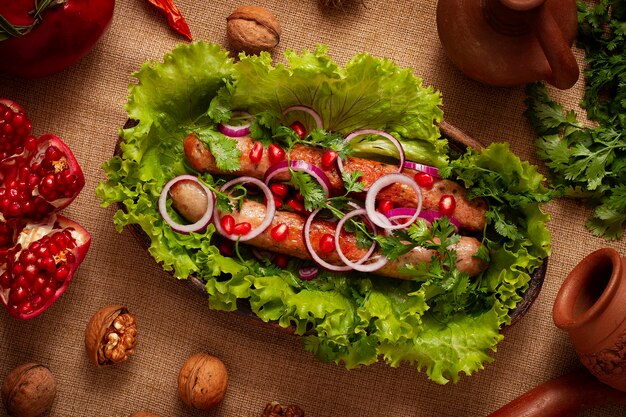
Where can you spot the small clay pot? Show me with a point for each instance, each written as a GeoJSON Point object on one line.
{"type": "Point", "coordinates": [591, 307]}
{"type": "Point", "coordinates": [511, 42]}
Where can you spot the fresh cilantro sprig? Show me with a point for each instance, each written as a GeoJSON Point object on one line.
{"type": "Point", "coordinates": [449, 290]}
{"type": "Point", "coordinates": [590, 162]}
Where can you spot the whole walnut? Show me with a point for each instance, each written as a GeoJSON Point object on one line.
{"type": "Point", "coordinates": [29, 390]}
{"type": "Point", "coordinates": [252, 29]}
{"type": "Point", "coordinates": [202, 381]}
{"type": "Point", "coordinates": [110, 336]}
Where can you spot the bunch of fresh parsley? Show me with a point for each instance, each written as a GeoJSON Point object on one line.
{"type": "Point", "coordinates": [590, 162]}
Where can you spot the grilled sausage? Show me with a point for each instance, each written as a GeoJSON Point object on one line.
{"type": "Point", "coordinates": [470, 213]}
{"type": "Point", "coordinates": [293, 245]}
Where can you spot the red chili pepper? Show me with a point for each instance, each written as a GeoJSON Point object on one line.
{"type": "Point", "coordinates": [174, 17]}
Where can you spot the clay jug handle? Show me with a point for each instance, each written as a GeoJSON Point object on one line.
{"type": "Point", "coordinates": [556, 49]}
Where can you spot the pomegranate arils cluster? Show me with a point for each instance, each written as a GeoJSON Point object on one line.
{"type": "Point", "coordinates": [39, 249]}
{"type": "Point", "coordinates": [15, 130]}
{"type": "Point", "coordinates": [37, 183]}
{"type": "Point", "coordinates": [35, 274]}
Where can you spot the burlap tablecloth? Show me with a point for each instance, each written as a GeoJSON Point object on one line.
{"type": "Point", "coordinates": [84, 106]}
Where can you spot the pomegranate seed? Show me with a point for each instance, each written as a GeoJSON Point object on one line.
{"type": "Point", "coordinates": [47, 292]}
{"type": "Point", "coordinates": [61, 273]}
{"type": "Point", "coordinates": [225, 248]}
{"type": "Point", "coordinates": [256, 153]}
{"type": "Point", "coordinates": [424, 180]}
{"type": "Point", "coordinates": [38, 283]}
{"type": "Point", "coordinates": [281, 260]}
{"type": "Point", "coordinates": [280, 232]}
{"type": "Point", "coordinates": [242, 228]}
{"type": "Point", "coordinates": [228, 223]}
{"type": "Point", "coordinates": [299, 197]}
{"type": "Point", "coordinates": [327, 243]}
{"type": "Point", "coordinates": [17, 295]}
{"type": "Point", "coordinates": [385, 205]}
{"type": "Point", "coordinates": [296, 205]}
{"type": "Point", "coordinates": [299, 129]}
{"type": "Point", "coordinates": [279, 190]}
{"type": "Point", "coordinates": [275, 153]}
{"type": "Point", "coordinates": [278, 202]}
{"type": "Point", "coordinates": [447, 204]}
{"type": "Point", "coordinates": [329, 158]}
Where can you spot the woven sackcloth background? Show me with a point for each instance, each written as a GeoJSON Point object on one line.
{"type": "Point", "coordinates": [84, 106]}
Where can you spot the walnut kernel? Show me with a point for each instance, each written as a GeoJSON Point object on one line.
{"type": "Point", "coordinates": [202, 381]}
{"type": "Point", "coordinates": [275, 409]}
{"type": "Point", "coordinates": [28, 390]}
{"type": "Point", "coordinates": [252, 29]}
{"type": "Point", "coordinates": [111, 336]}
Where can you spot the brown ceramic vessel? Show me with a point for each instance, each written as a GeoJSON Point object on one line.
{"type": "Point", "coordinates": [511, 42]}
{"type": "Point", "coordinates": [591, 307]}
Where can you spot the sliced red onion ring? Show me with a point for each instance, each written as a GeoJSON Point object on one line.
{"type": "Point", "coordinates": [382, 133]}
{"type": "Point", "coordinates": [358, 265]}
{"type": "Point", "coordinates": [186, 228]}
{"type": "Point", "coordinates": [308, 273]}
{"type": "Point", "coordinates": [423, 168]}
{"type": "Point", "coordinates": [236, 131]}
{"type": "Point", "coordinates": [315, 115]}
{"type": "Point", "coordinates": [298, 165]}
{"type": "Point", "coordinates": [370, 200]}
{"type": "Point", "coordinates": [309, 246]}
{"type": "Point", "coordinates": [270, 210]}
{"type": "Point", "coordinates": [428, 215]}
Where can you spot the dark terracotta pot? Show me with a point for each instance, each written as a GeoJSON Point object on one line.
{"type": "Point", "coordinates": [591, 307]}
{"type": "Point", "coordinates": [511, 42]}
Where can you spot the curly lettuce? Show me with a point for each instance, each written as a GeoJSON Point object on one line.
{"type": "Point", "coordinates": [353, 319]}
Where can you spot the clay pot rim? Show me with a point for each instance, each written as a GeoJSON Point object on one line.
{"type": "Point", "coordinates": [577, 279]}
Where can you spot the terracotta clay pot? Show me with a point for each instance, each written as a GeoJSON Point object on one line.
{"type": "Point", "coordinates": [591, 307]}
{"type": "Point", "coordinates": [511, 42]}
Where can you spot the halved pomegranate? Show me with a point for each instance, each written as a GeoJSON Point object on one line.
{"type": "Point", "coordinates": [40, 266]}
{"type": "Point", "coordinates": [39, 250]}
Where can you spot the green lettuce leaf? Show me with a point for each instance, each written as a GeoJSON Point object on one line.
{"type": "Point", "coordinates": [353, 319]}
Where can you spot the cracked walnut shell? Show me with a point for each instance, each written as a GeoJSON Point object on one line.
{"type": "Point", "coordinates": [29, 390]}
{"type": "Point", "coordinates": [202, 381]}
{"type": "Point", "coordinates": [252, 29]}
{"type": "Point", "coordinates": [110, 336]}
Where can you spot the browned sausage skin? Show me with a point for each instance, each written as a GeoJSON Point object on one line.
{"type": "Point", "coordinates": [254, 213]}
{"type": "Point", "coordinates": [470, 213]}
